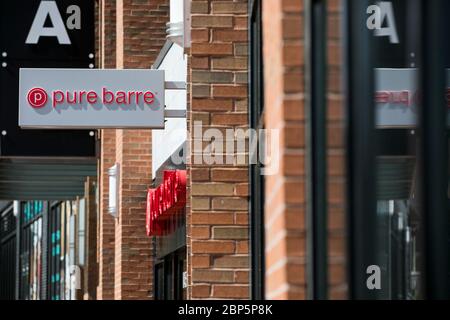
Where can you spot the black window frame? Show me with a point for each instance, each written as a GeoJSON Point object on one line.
{"type": "Point", "coordinates": [256, 179]}
{"type": "Point", "coordinates": [360, 159]}
{"type": "Point", "coordinates": [316, 147]}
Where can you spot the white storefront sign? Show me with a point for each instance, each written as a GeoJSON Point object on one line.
{"type": "Point", "coordinates": [174, 134]}
{"type": "Point", "coordinates": [86, 98]}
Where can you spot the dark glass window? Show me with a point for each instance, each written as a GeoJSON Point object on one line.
{"type": "Point", "coordinates": [7, 254]}
{"type": "Point", "coordinates": [396, 82]}
{"type": "Point", "coordinates": [169, 276]}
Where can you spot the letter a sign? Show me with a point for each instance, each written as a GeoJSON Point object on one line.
{"type": "Point", "coordinates": [383, 12]}
{"type": "Point", "coordinates": [48, 30]}
{"type": "Point", "coordinates": [49, 10]}
{"type": "Point", "coordinates": [45, 34]}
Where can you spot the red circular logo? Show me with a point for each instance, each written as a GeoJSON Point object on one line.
{"type": "Point", "coordinates": [37, 97]}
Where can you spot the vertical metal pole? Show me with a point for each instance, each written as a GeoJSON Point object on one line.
{"type": "Point", "coordinates": [434, 149]}
{"type": "Point", "coordinates": [3, 267]}
{"type": "Point", "coordinates": [45, 249]}
{"type": "Point", "coordinates": [316, 92]}
{"type": "Point", "coordinates": [18, 251]}
{"type": "Point", "coordinates": [361, 200]}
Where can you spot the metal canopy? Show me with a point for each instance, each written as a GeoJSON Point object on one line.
{"type": "Point", "coordinates": [42, 179]}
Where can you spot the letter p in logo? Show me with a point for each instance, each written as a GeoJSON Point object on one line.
{"type": "Point", "coordinates": [37, 97]}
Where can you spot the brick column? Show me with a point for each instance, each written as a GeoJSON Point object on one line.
{"type": "Point", "coordinates": [106, 50]}
{"type": "Point", "coordinates": [285, 205]}
{"type": "Point", "coordinates": [105, 290]}
{"type": "Point", "coordinates": [107, 34]}
{"type": "Point", "coordinates": [336, 159]}
{"type": "Point", "coordinates": [217, 216]}
{"type": "Point", "coordinates": [140, 29]}
{"type": "Point", "coordinates": [133, 249]}
{"type": "Point", "coordinates": [284, 111]}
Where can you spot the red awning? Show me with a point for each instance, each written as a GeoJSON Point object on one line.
{"type": "Point", "coordinates": [165, 201]}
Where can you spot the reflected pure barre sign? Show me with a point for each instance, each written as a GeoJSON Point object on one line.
{"type": "Point", "coordinates": [397, 97]}
{"type": "Point", "coordinates": [86, 98]}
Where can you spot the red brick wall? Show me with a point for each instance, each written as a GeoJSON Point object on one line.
{"type": "Point", "coordinates": [107, 34]}
{"type": "Point", "coordinates": [132, 34]}
{"type": "Point", "coordinates": [141, 31]}
{"type": "Point", "coordinates": [217, 214]}
{"type": "Point", "coordinates": [107, 53]}
{"type": "Point", "coordinates": [284, 111]}
{"type": "Point", "coordinates": [285, 193]}
{"type": "Point", "coordinates": [106, 230]}
{"type": "Point", "coordinates": [133, 277]}
{"type": "Point", "coordinates": [336, 158]}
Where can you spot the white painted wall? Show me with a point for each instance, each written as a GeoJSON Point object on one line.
{"type": "Point", "coordinates": [176, 10]}
{"type": "Point", "coordinates": [165, 142]}
{"type": "Point", "coordinates": [180, 22]}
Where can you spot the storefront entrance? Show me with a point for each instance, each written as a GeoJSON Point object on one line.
{"type": "Point", "coordinates": [169, 276]}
